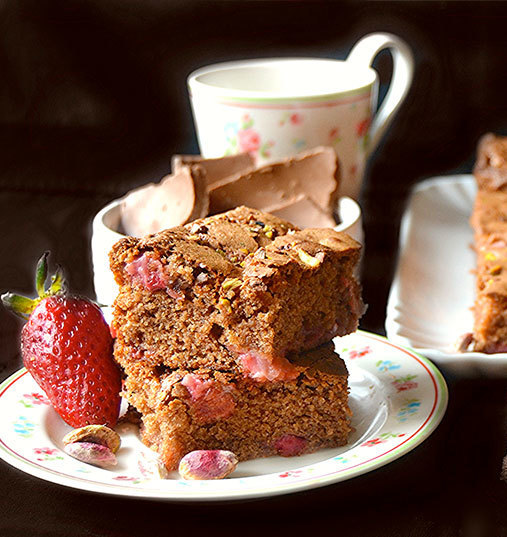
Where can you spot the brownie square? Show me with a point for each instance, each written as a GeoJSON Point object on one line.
{"type": "Point", "coordinates": [243, 290]}
{"type": "Point", "coordinates": [222, 328]}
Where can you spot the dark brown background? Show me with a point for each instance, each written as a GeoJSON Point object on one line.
{"type": "Point", "coordinates": [93, 102]}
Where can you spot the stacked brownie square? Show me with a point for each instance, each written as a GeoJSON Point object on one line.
{"type": "Point", "coordinates": [489, 221]}
{"type": "Point", "coordinates": [223, 328]}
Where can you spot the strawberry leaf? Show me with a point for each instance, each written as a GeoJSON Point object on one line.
{"type": "Point", "coordinates": [41, 273]}
{"type": "Point", "coordinates": [20, 305]}
{"type": "Point", "coordinates": [57, 282]}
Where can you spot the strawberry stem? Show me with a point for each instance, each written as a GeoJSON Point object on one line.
{"type": "Point", "coordinates": [23, 306]}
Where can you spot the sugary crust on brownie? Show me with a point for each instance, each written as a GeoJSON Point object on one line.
{"type": "Point", "coordinates": [220, 242]}
{"type": "Point", "coordinates": [491, 165]}
{"type": "Point", "coordinates": [313, 407]}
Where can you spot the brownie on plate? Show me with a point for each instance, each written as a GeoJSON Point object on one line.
{"type": "Point", "coordinates": [220, 315]}
{"type": "Point", "coordinates": [489, 222]}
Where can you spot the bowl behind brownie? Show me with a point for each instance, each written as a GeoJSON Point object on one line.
{"type": "Point", "coordinates": [107, 231]}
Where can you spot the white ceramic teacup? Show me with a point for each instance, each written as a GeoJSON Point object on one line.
{"type": "Point", "coordinates": [274, 108]}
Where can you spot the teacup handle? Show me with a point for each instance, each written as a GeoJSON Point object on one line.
{"type": "Point", "coordinates": [363, 53]}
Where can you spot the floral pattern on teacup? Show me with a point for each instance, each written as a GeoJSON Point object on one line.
{"type": "Point", "coordinates": [334, 135]}
{"type": "Point", "coordinates": [291, 118]}
{"type": "Point", "coordinates": [299, 144]}
{"type": "Point", "coordinates": [243, 138]}
{"type": "Point", "coordinates": [363, 132]}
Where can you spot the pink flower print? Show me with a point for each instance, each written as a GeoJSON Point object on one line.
{"type": "Point", "coordinates": [36, 398]}
{"type": "Point", "coordinates": [246, 122]}
{"type": "Point", "coordinates": [372, 442]}
{"type": "Point", "coordinates": [334, 135]}
{"type": "Point", "coordinates": [381, 438]}
{"type": "Point", "coordinates": [124, 478]}
{"type": "Point", "coordinates": [264, 149]}
{"type": "Point", "coordinates": [359, 353]}
{"type": "Point", "coordinates": [406, 386]}
{"type": "Point", "coordinates": [47, 454]}
{"type": "Point", "coordinates": [403, 384]}
{"type": "Point", "coordinates": [362, 127]}
{"type": "Point", "coordinates": [45, 451]}
{"type": "Point", "coordinates": [290, 473]}
{"type": "Point", "coordinates": [296, 119]}
{"type": "Point", "coordinates": [249, 140]}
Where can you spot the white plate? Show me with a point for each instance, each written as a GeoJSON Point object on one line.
{"type": "Point", "coordinates": [398, 399]}
{"type": "Point", "coordinates": [430, 302]}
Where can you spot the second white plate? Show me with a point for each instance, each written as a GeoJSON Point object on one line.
{"type": "Point", "coordinates": [432, 294]}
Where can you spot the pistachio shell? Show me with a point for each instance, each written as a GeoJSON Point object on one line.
{"type": "Point", "coordinates": [151, 466]}
{"type": "Point", "coordinates": [91, 453]}
{"type": "Point", "coordinates": [96, 434]}
{"type": "Point", "coordinates": [208, 464]}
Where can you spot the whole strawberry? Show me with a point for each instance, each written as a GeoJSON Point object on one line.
{"type": "Point", "coordinates": [67, 348]}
